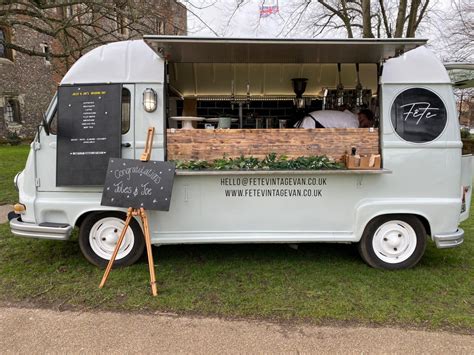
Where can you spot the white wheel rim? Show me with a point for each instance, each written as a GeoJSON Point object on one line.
{"type": "Point", "coordinates": [394, 242]}
{"type": "Point", "coordinates": [104, 235]}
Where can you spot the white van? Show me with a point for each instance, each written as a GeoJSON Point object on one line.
{"type": "Point", "coordinates": [423, 187]}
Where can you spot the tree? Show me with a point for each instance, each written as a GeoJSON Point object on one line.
{"type": "Point", "coordinates": [350, 18]}
{"type": "Point", "coordinates": [457, 45]}
{"type": "Point", "coordinates": [77, 26]}
{"type": "Point", "coordinates": [457, 31]}
{"type": "Point", "coordinates": [368, 18]}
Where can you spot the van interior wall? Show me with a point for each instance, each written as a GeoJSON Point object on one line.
{"type": "Point", "coordinates": [267, 79]}
{"type": "Point", "coordinates": [274, 109]}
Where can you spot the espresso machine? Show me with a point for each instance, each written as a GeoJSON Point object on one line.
{"type": "Point", "coordinates": [299, 103]}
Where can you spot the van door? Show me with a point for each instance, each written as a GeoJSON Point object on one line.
{"type": "Point", "coordinates": [466, 185]}
{"type": "Point", "coordinates": [45, 150]}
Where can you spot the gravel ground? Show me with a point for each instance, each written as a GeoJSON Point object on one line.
{"type": "Point", "coordinates": [47, 331]}
{"type": "Point", "coordinates": [4, 209]}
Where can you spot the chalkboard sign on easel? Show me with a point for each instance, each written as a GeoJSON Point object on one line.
{"type": "Point", "coordinates": [138, 185]}
{"type": "Point", "coordinates": [89, 132]}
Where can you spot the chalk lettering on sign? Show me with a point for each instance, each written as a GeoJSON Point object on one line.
{"type": "Point", "coordinates": [88, 133]}
{"type": "Point", "coordinates": [128, 172]}
{"type": "Point", "coordinates": [419, 110]}
{"type": "Point", "coordinates": [146, 191]}
{"type": "Point", "coordinates": [121, 189]}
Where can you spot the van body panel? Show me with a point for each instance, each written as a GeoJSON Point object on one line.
{"type": "Point", "coordinates": [144, 120]}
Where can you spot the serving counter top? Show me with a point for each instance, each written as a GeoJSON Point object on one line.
{"type": "Point", "coordinates": [283, 172]}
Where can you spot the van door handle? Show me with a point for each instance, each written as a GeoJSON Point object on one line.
{"type": "Point", "coordinates": [126, 145]}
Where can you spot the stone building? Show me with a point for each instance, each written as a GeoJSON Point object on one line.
{"type": "Point", "coordinates": [466, 112]}
{"type": "Point", "coordinates": [27, 83]}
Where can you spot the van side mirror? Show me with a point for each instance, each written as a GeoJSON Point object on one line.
{"type": "Point", "coordinates": [45, 125]}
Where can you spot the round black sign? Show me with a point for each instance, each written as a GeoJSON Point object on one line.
{"type": "Point", "coordinates": [418, 115]}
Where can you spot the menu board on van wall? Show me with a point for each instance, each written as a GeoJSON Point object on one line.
{"type": "Point", "coordinates": [89, 133]}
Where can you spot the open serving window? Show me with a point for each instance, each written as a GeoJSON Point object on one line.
{"type": "Point", "coordinates": [245, 97]}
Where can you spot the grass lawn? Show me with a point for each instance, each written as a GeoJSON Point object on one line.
{"type": "Point", "coordinates": [12, 160]}
{"type": "Point", "coordinates": [319, 282]}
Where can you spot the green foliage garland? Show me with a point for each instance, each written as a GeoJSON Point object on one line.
{"type": "Point", "coordinates": [270, 162]}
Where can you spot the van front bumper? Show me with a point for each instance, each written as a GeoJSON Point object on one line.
{"type": "Point", "coordinates": [450, 240]}
{"type": "Point", "coordinates": [53, 231]}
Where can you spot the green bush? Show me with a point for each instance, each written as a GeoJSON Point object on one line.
{"type": "Point", "coordinates": [13, 138]}
{"type": "Point", "coordinates": [465, 134]}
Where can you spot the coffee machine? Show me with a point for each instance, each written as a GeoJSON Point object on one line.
{"type": "Point", "coordinates": [299, 103]}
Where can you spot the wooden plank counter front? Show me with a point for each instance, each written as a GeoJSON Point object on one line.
{"type": "Point", "coordinates": [206, 144]}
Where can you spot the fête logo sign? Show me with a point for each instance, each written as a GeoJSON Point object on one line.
{"type": "Point", "coordinates": [418, 115]}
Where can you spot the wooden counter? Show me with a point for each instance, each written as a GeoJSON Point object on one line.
{"type": "Point", "coordinates": [205, 144]}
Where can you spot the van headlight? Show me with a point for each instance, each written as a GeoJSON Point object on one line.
{"type": "Point", "coordinates": [15, 181]}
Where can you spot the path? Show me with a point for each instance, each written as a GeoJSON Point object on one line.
{"type": "Point", "coordinates": [40, 331]}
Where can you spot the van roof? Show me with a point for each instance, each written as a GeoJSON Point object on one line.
{"type": "Point", "coordinates": [184, 49]}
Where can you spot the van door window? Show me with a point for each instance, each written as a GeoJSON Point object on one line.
{"type": "Point", "coordinates": [126, 99]}
{"type": "Point", "coordinates": [53, 124]}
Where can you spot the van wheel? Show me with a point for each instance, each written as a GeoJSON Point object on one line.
{"type": "Point", "coordinates": [99, 233]}
{"type": "Point", "coordinates": [393, 242]}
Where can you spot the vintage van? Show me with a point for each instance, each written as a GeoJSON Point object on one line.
{"type": "Point", "coordinates": [421, 191]}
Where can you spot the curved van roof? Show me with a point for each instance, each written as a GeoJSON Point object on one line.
{"type": "Point", "coordinates": [419, 65]}
{"type": "Point", "coordinates": [118, 62]}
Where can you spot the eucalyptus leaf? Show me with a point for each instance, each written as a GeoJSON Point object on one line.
{"type": "Point", "coordinates": [271, 162]}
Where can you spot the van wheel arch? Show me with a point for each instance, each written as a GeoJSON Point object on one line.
{"type": "Point", "coordinates": [85, 214]}
{"type": "Point", "coordinates": [422, 219]}
{"type": "Point", "coordinates": [82, 217]}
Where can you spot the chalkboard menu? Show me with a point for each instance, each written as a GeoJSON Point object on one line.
{"type": "Point", "coordinates": [136, 184]}
{"type": "Point", "coordinates": [418, 115]}
{"type": "Point", "coordinates": [89, 132]}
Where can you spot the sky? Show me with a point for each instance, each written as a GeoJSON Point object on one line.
{"type": "Point", "coordinates": [214, 20]}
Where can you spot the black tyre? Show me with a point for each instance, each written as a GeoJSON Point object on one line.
{"type": "Point", "coordinates": [393, 242]}
{"type": "Point", "coordinates": [98, 235]}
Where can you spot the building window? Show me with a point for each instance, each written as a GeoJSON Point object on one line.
{"type": "Point", "coordinates": [126, 100]}
{"type": "Point", "coordinates": [68, 10]}
{"type": "Point", "coordinates": [160, 26]}
{"type": "Point", "coordinates": [47, 52]}
{"type": "Point", "coordinates": [12, 111]}
{"type": "Point", "coordinates": [4, 51]}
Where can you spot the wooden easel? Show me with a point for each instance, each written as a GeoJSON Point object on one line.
{"type": "Point", "coordinates": [145, 226]}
